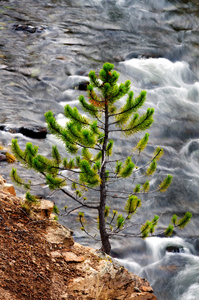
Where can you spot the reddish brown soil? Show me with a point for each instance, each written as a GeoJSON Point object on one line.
{"type": "Point", "coordinates": [26, 268]}
{"type": "Point", "coordinates": [33, 268]}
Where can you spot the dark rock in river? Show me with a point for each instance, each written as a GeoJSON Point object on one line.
{"type": "Point", "coordinates": [82, 86]}
{"type": "Point", "coordinates": [174, 249]}
{"type": "Point", "coordinates": [28, 28]}
{"type": "Point", "coordinates": [34, 132]}
{"type": "Point", "coordinates": [2, 157]}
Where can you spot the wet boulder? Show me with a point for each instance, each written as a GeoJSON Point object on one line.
{"type": "Point", "coordinates": [34, 131]}
{"type": "Point", "coordinates": [82, 86]}
{"type": "Point", "coordinates": [28, 28]}
{"type": "Point", "coordinates": [3, 157]}
{"type": "Point", "coordinates": [174, 249]}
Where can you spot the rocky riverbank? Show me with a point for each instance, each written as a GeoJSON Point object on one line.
{"type": "Point", "coordinates": [40, 260]}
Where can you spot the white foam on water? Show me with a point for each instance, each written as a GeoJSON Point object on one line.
{"type": "Point", "coordinates": [72, 103]}
{"type": "Point", "coordinates": [192, 293]}
{"type": "Point", "coordinates": [187, 280]}
{"type": "Point", "coordinates": [193, 93]}
{"type": "Point", "coordinates": [61, 119]}
{"type": "Point", "coordinates": [160, 72]}
{"type": "Point", "coordinates": [156, 246]}
{"type": "Point", "coordinates": [130, 265]}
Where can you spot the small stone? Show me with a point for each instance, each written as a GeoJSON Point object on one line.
{"type": "Point", "coordinates": [44, 209]}
{"type": "Point", "coordinates": [2, 180]}
{"type": "Point", "coordinates": [64, 297]}
{"type": "Point", "coordinates": [59, 235]}
{"type": "Point", "coordinates": [72, 257]}
{"type": "Point", "coordinates": [55, 254]}
{"type": "Point", "coordinates": [52, 216]}
{"type": "Point", "coordinates": [146, 289]}
{"type": "Point", "coordinates": [8, 188]}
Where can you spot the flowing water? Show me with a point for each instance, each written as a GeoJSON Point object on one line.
{"type": "Point", "coordinates": [155, 45]}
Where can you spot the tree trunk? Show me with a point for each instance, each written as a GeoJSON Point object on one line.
{"type": "Point", "coordinates": [106, 246]}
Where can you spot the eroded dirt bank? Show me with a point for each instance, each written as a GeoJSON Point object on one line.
{"type": "Point", "coordinates": [39, 260]}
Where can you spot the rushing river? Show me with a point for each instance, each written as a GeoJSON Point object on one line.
{"type": "Point", "coordinates": [154, 44]}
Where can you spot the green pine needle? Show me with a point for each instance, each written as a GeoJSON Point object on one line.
{"type": "Point", "coordinates": [30, 199]}
{"type": "Point", "coordinates": [169, 230]}
{"type": "Point", "coordinates": [145, 229]}
{"type": "Point", "coordinates": [158, 153]}
{"type": "Point", "coordinates": [174, 219]}
{"type": "Point", "coordinates": [54, 183]}
{"type": "Point", "coordinates": [127, 169]}
{"type": "Point", "coordinates": [106, 211]}
{"type": "Point", "coordinates": [18, 180]}
{"type": "Point", "coordinates": [146, 186]}
{"type": "Point", "coordinates": [141, 145]}
{"type": "Point", "coordinates": [152, 168]}
{"type": "Point", "coordinates": [132, 204]}
{"type": "Point", "coordinates": [137, 189]}
{"type": "Point", "coordinates": [185, 220]}
{"type": "Point", "coordinates": [166, 183]}
{"type": "Point", "coordinates": [120, 222]}
{"type": "Point", "coordinates": [109, 148]}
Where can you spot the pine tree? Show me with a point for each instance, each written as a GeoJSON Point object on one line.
{"type": "Point", "coordinates": [91, 140]}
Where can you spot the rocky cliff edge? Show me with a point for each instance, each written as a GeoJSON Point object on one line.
{"type": "Point", "coordinates": [40, 260]}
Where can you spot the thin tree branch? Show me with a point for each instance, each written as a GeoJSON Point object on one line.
{"type": "Point", "coordinates": [83, 146]}
{"type": "Point", "coordinates": [85, 186]}
{"type": "Point", "coordinates": [69, 212]}
{"type": "Point", "coordinates": [128, 129]}
{"type": "Point", "coordinates": [93, 237]}
{"type": "Point", "coordinates": [78, 201]}
{"type": "Point", "coordinates": [124, 111]}
{"type": "Point", "coordinates": [131, 194]}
